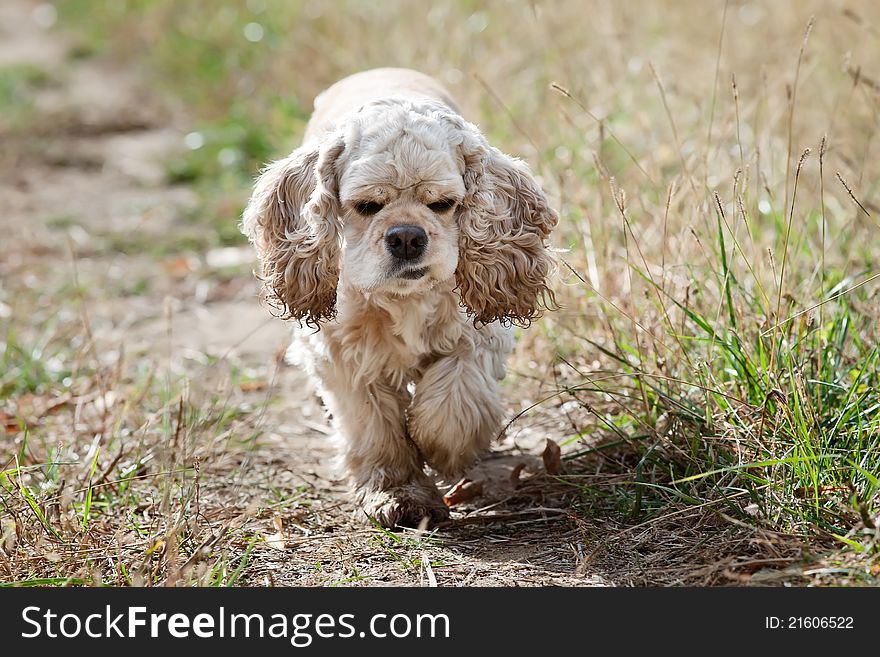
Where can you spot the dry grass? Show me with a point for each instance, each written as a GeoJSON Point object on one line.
{"type": "Point", "coordinates": [712, 376]}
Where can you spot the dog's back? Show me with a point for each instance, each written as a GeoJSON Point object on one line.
{"type": "Point", "coordinates": [356, 90]}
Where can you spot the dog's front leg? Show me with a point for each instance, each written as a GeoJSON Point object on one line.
{"type": "Point", "coordinates": [384, 464]}
{"type": "Point", "coordinates": [457, 411]}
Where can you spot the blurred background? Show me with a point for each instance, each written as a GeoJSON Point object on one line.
{"type": "Point", "coordinates": [715, 165]}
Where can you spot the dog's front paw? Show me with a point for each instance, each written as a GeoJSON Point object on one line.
{"type": "Point", "coordinates": [405, 506]}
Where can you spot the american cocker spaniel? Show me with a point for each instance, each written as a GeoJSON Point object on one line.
{"type": "Point", "coordinates": [408, 246]}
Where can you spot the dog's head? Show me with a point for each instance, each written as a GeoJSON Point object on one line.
{"type": "Point", "coordinates": [399, 196]}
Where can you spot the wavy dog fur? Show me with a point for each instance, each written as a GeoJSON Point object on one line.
{"type": "Point", "coordinates": [412, 336]}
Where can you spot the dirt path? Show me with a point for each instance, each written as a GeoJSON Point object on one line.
{"type": "Point", "coordinates": [85, 205]}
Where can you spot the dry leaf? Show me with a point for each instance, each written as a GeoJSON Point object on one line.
{"type": "Point", "coordinates": [180, 266]}
{"type": "Point", "coordinates": [9, 532]}
{"type": "Point", "coordinates": [515, 473]}
{"type": "Point", "coordinates": [10, 423]}
{"type": "Point", "coordinates": [463, 491]}
{"type": "Point", "coordinates": [253, 386]}
{"type": "Point", "coordinates": [56, 404]}
{"type": "Point", "coordinates": [276, 540]}
{"type": "Point", "coordinates": [552, 458]}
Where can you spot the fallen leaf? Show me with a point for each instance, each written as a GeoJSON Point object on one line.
{"type": "Point", "coordinates": [253, 386]}
{"type": "Point", "coordinates": [515, 473]}
{"type": "Point", "coordinates": [180, 266]}
{"type": "Point", "coordinates": [56, 404]}
{"type": "Point", "coordinates": [463, 491]}
{"type": "Point", "coordinates": [10, 423]}
{"type": "Point", "coordinates": [9, 532]}
{"type": "Point", "coordinates": [552, 457]}
{"type": "Point", "coordinates": [27, 403]}
{"type": "Point", "coordinates": [276, 540]}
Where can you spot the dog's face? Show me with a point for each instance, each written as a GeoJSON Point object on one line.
{"type": "Point", "coordinates": [400, 191]}
{"type": "Point", "coordinates": [400, 195]}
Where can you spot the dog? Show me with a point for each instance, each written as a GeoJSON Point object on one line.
{"type": "Point", "coordinates": [407, 247]}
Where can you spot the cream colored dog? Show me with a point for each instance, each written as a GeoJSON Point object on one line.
{"type": "Point", "coordinates": [409, 246]}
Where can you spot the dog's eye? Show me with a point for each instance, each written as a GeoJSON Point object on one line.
{"type": "Point", "coordinates": [441, 206]}
{"type": "Point", "coordinates": [368, 208]}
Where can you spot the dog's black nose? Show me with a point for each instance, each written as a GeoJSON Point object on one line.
{"type": "Point", "coordinates": [406, 242]}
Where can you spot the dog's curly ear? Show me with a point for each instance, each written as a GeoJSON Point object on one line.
{"type": "Point", "coordinates": [293, 219]}
{"type": "Point", "coordinates": [504, 224]}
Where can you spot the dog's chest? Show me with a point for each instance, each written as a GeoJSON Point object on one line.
{"type": "Point", "coordinates": [413, 332]}
{"type": "Point", "coordinates": [392, 342]}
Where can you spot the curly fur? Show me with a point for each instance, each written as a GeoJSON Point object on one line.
{"type": "Point", "coordinates": [292, 218]}
{"type": "Point", "coordinates": [504, 264]}
{"type": "Point", "coordinates": [410, 351]}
